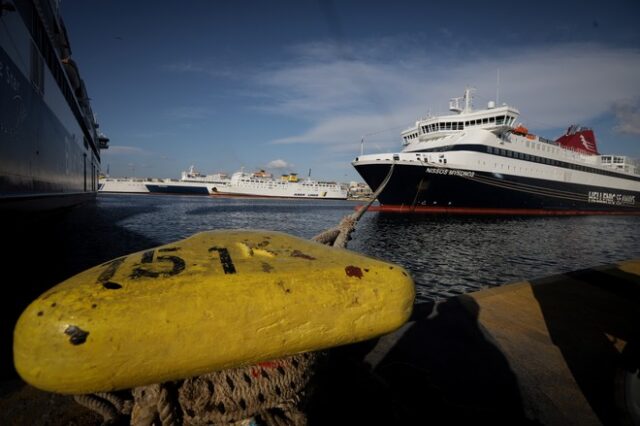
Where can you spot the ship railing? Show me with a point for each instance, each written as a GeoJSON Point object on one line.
{"type": "Point", "coordinates": [52, 26]}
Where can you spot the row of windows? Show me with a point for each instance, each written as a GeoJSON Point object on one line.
{"type": "Point", "coordinates": [411, 136]}
{"type": "Point", "coordinates": [321, 184]}
{"type": "Point", "coordinates": [460, 125]}
{"type": "Point", "coordinates": [616, 160]}
{"type": "Point", "coordinates": [533, 158]}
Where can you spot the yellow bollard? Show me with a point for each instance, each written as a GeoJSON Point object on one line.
{"type": "Point", "coordinates": [216, 300]}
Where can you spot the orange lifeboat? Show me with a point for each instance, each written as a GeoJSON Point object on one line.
{"type": "Point", "coordinates": [521, 130]}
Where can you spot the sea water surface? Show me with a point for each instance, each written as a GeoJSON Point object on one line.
{"type": "Point", "coordinates": [446, 255]}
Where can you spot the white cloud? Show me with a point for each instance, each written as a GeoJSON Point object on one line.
{"type": "Point", "coordinates": [628, 117]}
{"type": "Point", "coordinates": [279, 164]}
{"type": "Point", "coordinates": [343, 99]}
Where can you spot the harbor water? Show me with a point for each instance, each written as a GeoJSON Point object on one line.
{"type": "Point", "coordinates": [445, 255]}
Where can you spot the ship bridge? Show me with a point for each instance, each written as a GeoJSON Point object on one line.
{"type": "Point", "coordinates": [494, 119]}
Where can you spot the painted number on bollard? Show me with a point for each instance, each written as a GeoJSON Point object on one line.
{"type": "Point", "coordinates": [145, 269]}
{"type": "Point", "coordinates": [147, 258]}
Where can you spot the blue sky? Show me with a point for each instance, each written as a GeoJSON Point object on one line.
{"type": "Point", "coordinates": [295, 85]}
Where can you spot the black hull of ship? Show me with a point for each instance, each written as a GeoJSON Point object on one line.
{"type": "Point", "coordinates": [425, 189]}
{"type": "Point", "coordinates": [48, 159]}
{"type": "Point", "coordinates": [178, 190]}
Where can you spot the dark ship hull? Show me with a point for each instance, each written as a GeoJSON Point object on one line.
{"type": "Point", "coordinates": [49, 145]}
{"type": "Point", "coordinates": [432, 189]}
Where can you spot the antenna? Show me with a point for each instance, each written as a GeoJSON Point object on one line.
{"type": "Point", "coordinates": [498, 86]}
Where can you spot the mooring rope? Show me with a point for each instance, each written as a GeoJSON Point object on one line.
{"type": "Point", "coordinates": [269, 391]}
{"type": "Point", "coordinates": [339, 236]}
{"type": "Point", "coordinates": [98, 405]}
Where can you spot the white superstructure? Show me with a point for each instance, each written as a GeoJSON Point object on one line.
{"type": "Point", "coordinates": [130, 185]}
{"type": "Point", "coordinates": [262, 184]}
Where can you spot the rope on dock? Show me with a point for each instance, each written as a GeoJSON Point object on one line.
{"type": "Point", "coordinates": [100, 406]}
{"type": "Point", "coordinates": [270, 392]}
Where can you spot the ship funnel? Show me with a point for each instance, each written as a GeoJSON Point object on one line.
{"type": "Point", "coordinates": [581, 139]}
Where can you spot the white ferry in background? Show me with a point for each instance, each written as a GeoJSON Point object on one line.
{"type": "Point", "coordinates": [129, 185]}
{"type": "Point", "coordinates": [191, 182]}
{"type": "Point", "coordinates": [152, 186]}
{"type": "Point", "coordinates": [482, 162]}
{"type": "Point", "coordinates": [263, 184]}
{"type": "Point", "coordinates": [240, 184]}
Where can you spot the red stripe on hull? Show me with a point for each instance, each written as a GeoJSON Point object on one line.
{"type": "Point", "coordinates": [493, 211]}
{"type": "Point", "coordinates": [223, 195]}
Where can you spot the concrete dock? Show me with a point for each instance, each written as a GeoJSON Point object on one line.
{"type": "Point", "coordinates": [560, 350]}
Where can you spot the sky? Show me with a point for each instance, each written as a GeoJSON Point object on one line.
{"type": "Point", "coordinates": [294, 86]}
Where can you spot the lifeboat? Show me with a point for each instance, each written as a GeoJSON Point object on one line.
{"type": "Point", "coordinates": [521, 130]}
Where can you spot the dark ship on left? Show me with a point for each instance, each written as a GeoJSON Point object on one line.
{"type": "Point", "coordinates": [49, 139]}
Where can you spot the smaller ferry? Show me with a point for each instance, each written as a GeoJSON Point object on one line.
{"type": "Point", "coordinates": [263, 184]}
{"type": "Point", "coordinates": [191, 182]}
{"type": "Point", "coordinates": [240, 184]}
{"type": "Point", "coordinates": [130, 185]}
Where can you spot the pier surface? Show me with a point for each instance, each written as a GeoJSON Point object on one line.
{"type": "Point", "coordinates": [549, 351]}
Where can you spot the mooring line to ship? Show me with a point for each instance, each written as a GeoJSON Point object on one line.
{"type": "Point", "coordinates": [160, 402]}
{"type": "Point", "coordinates": [338, 236]}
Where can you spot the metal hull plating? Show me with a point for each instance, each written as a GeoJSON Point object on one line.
{"type": "Point", "coordinates": [48, 147]}
{"type": "Point", "coordinates": [432, 189]}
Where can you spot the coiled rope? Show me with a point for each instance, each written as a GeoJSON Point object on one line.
{"type": "Point", "coordinates": [268, 393]}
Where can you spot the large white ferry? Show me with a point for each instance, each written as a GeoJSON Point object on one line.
{"type": "Point", "coordinates": [482, 162]}
{"type": "Point", "coordinates": [49, 140]}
